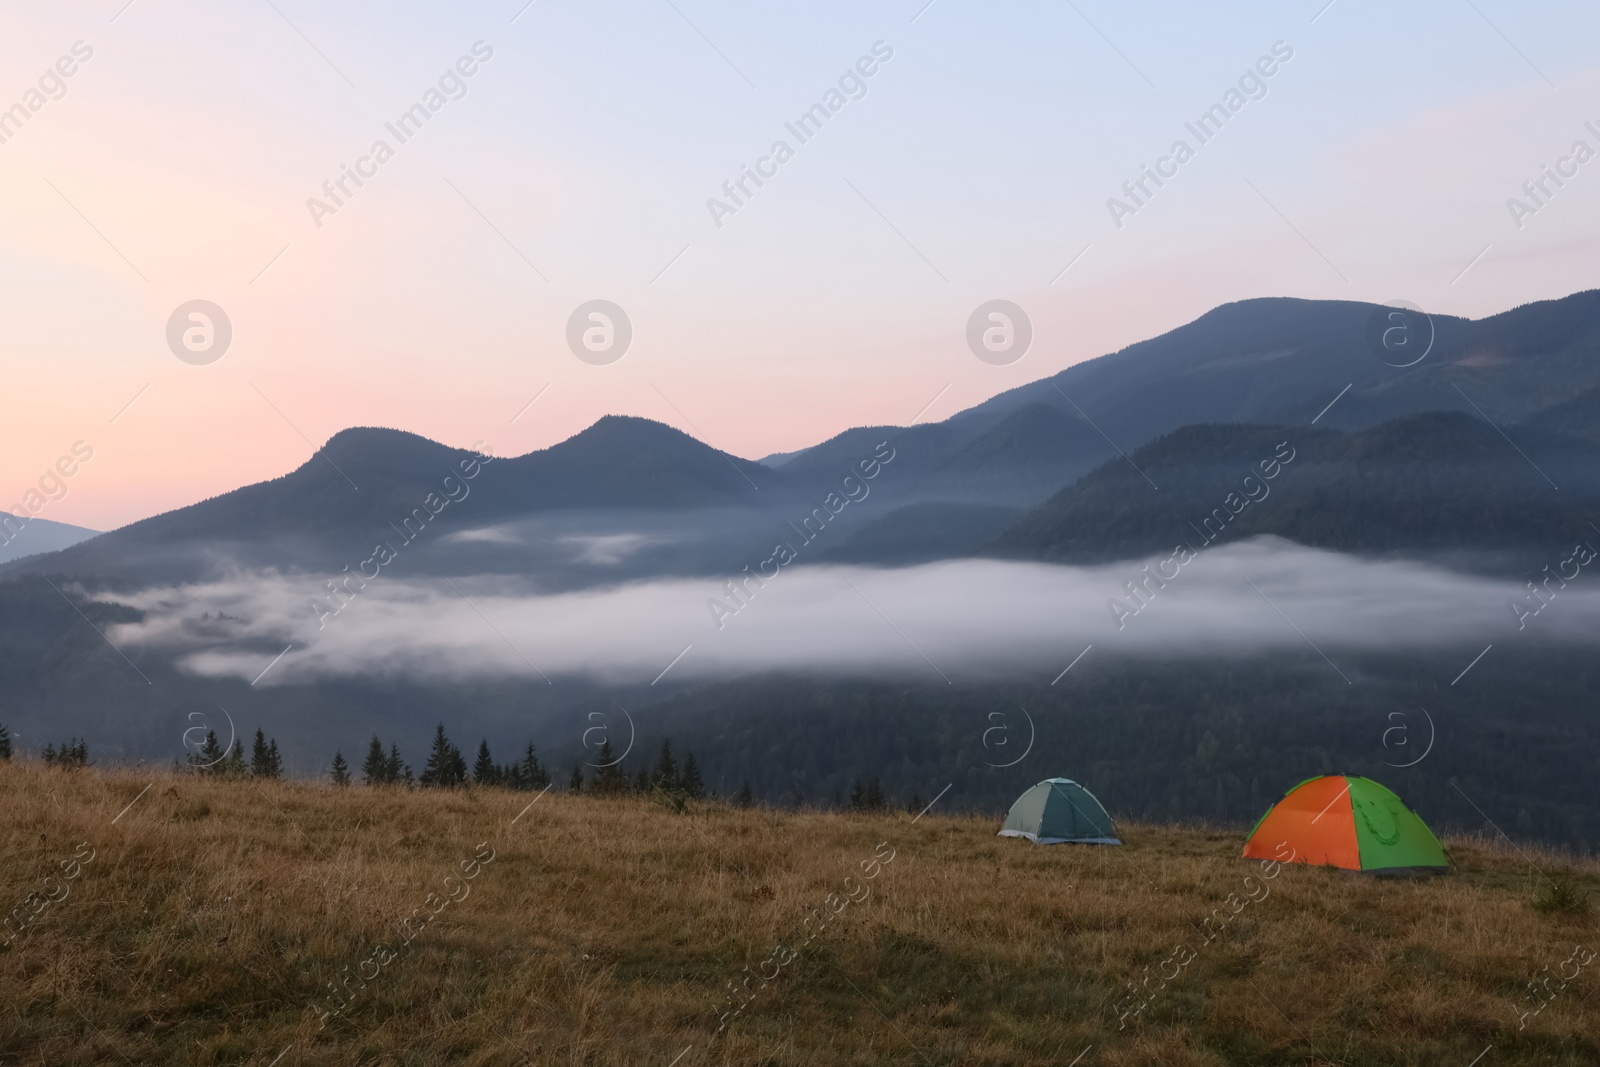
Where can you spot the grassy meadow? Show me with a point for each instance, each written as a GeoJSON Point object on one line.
{"type": "Point", "coordinates": [248, 924]}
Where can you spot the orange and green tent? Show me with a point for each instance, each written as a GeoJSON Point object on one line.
{"type": "Point", "coordinates": [1343, 820]}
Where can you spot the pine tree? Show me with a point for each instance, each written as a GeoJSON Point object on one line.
{"type": "Point", "coordinates": [873, 801]}
{"type": "Point", "coordinates": [392, 766]}
{"type": "Point", "coordinates": [666, 768]}
{"type": "Point", "coordinates": [5, 742]}
{"type": "Point", "coordinates": [857, 796]}
{"type": "Point", "coordinates": [374, 769]}
{"type": "Point", "coordinates": [209, 759]}
{"type": "Point", "coordinates": [608, 777]}
{"type": "Point", "coordinates": [534, 776]}
{"type": "Point", "coordinates": [445, 767]}
{"type": "Point", "coordinates": [484, 772]}
{"type": "Point", "coordinates": [745, 798]}
{"type": "Point", "coordinates": [575, 783]}
{"type": "Point", "coordinates": [642, 782]}
{"type": "Point", "coordinates": [274, 760]}
{"type": "Point", "coordinates": [258, 755]}
{"type": "Point", "coordinates": [234, 764]}
{"type": "Point", "coordinates": [691, 783]}
{"type": "Point", "coordinates": [73, 753]}
{"type": "Point", "coordinates": [406, 777]}
{"type": "Point", "coordinates": [341, 770]}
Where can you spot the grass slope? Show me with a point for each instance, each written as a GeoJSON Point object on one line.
{"type": "Point", "coordinates": [212, 915]}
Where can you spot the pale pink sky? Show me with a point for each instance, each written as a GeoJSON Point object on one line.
{"type": "Point", "coordinates": [180, 159]}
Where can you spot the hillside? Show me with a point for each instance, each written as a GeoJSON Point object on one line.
{"type": "Point", "coordinates": [205, 922]}
{"type": "Point", "coordinates": [1436, 482]}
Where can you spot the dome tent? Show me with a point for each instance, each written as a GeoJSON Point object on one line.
{"type": "Point", "coordinates": [1343, 820]}
{"type": "Point", "coordinates": [1060, 811]}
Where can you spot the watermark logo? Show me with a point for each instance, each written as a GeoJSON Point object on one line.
{"type": "Point", "coordinates": [599, 332]}
{"type": "Point", "coordinates": [199, 332]}
{"type": "Point", "coordinates": [1400, 333]}
{"type": "Point", "coordinates": [999, 332]}
{"type": "Point", "coordinates": [598, 736]}
{"type": "Point", "coordinates": [202, 756]}
{"type": "Point", "coordinates": [997, 738]}
{"type": "Point", "coordinates": [1397, 738]}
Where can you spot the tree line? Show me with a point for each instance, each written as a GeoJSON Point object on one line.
{"type": "Point", "coordinates": [214, 761]}
{"type": "Point", "coordinates": [446, 768]}
{"type": "Point", "coordinates": [73, 753]}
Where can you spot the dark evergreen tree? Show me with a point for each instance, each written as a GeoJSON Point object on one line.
{"type": "Point", "coordinates": [341, 770]}
{"type": "Point", "coordinates": [575, 783]}
{"type": "Point", "coordinates": [5, 742]}
{"type": "Point", "coordinates": [873, 800]}
{"type": "Point", "coordinates": [392, 766]}
{"type": "Point", "coordinates": [666, 775]}
{"type": "Point", "coordinates": [691, 783]}
{"type": "Point", "coordinates": [374, 769]}
{"type": "Point", "coordinates": [446, 768]}
{"type": "Point", "coordinates": [484, 772]}
{"type": "Point", "coordinates": [643, 781]}
{"type": "Point", "coordinates": [258, 755]}
{"type": "Point", "coordinates": [73, 753]}
{"type": "Point", "coordinates": [857, 796]}
{"type": "Point", "coordinates": [233, 766]}
{"type": "Point", "coordinates": [745, 798]}
{"type": "Point", "coordinates": [209, 759]}
{"type": "Point", "coordinates": [406, 778]}
{"type": "Point", "coordinates": [608, 777]}
{"type": "Point", "coordinates": [533, 775]}
{"type": "Point", "coordinates": [274, 760]}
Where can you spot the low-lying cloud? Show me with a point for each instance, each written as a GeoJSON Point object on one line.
{"type": "Point", "coordinates": [964, 619]}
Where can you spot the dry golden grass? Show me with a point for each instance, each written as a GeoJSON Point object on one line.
{"type": "Point", "coordinates": [214, 914]}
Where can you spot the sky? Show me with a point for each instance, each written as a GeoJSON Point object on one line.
{"type": "Point", "coordinates": [176, 164]}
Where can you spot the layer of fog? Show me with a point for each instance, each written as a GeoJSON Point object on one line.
{"type": "Point", "coordinates": [953, 620]}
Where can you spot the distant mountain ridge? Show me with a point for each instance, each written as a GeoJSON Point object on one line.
{"type": "Point", "coordinates": [1273, 361]}
{"type": "Point", "coordinates": [30, 536]}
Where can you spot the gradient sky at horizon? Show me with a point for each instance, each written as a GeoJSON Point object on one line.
{"type": "Point", "coordinates": [577, 166]}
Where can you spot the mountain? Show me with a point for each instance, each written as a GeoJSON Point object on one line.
{"type": "Point", "coordinates": [21, 537]}
{"type": "Point", "coordinates": [1282, 360]}
{"type": "Point", "coordinates": [1436, 483]}
{"type": "Point", "coordinates": [1405, 462]}
{"type": "Point", "coordinates": [623, 461]}
{"type": "Point", "coordinates": [369, 484]}
{"type": "Point", "coordinates": [628, 497]}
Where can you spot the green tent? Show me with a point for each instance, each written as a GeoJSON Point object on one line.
{"type": "Point", "coordinates": [1344, 820]}
{"type": "Point", "coordinates": [1058, 811]}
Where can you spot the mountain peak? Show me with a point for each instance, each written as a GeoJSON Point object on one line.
{"type": "Point", "coordinates": [632, 428]}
